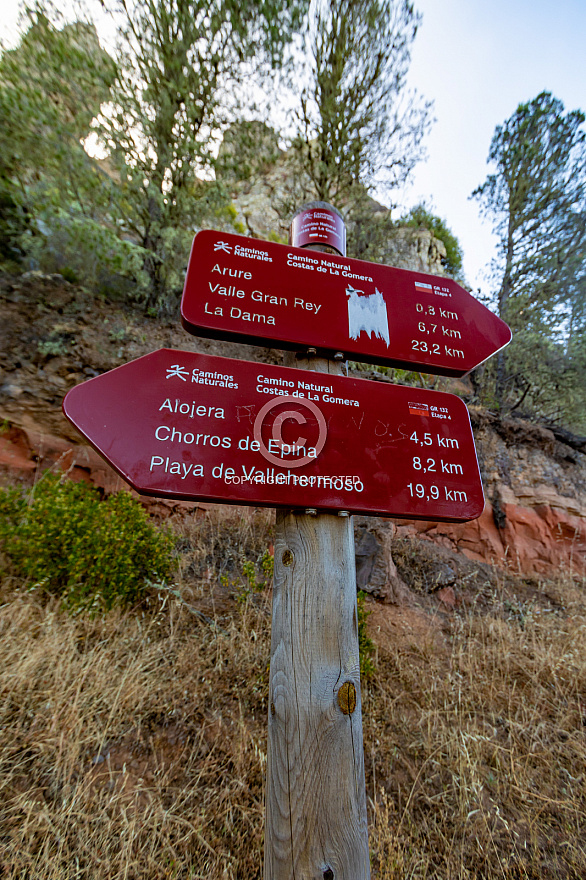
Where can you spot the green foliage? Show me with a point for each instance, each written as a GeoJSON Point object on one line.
{"type": "Point", "coordinates": [545, 381]}
{"type": "Point", "coordinates": [248, 149]}
{"type": "Point", "coordinates": [52, 347]}
{"type": "Point", "coordinates": [14, 221]}
{"type": "Point", "coordinates": [51, 86]}
{"type": "Point", "coordinates": [59, 209]}
{"type": "Point", "coordinates": [88, 252]}
{"type": "Point", "coordinates": [397, 375]}
{"type": "Point", "coordinates": [536, 199]}
{"type": "Point", "coordinates": [365, 643]}
{"type": "Point", "coordinates": [178, 62]}
{"type": "Point", "coordinates": [353, 129]}
{"type": "Point", "coordinates": [420, 217]}
{"type": "Point", "coordinates": [95, 554]}
{"type": "Point", "coordinates": [249, 581]}
{"type": "Point", "coordinates": [123, 225]}
{"type": "Point", "coordinates": [369, 228]}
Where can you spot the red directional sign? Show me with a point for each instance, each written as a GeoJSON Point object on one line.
{"type": "Point", "coordinates": [271, 294]}
{"type": "Point", "coordinates": [195, 427]}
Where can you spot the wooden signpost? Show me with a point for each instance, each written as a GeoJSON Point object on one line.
{"type": "Point", "coordinates": [317, 446]}
{"type": "Point", "coordinates": [315, 819]}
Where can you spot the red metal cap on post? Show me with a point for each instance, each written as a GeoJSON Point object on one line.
{"type": "Point", "coordinates": [320, 226]}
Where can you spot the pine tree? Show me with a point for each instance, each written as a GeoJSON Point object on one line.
{"type": "Point", "coordinates": [178, 60]}
{"type": "Point", "coordinates": [536, 199]}
{"type": "Point", "coordinates": [357, 126]}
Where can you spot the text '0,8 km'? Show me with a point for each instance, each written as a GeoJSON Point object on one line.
{"type": "Point", "coordinates": [216, 429]}
{"type": "Point", "coordinates": [261, 292]}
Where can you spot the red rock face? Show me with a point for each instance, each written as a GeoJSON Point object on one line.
{"type": "Point", "coordinates": [539, 541]}
{"type": "Point", "coordinates": [24, 453]}
{"type": "Point", "coordinates": [534, 520]}
{"type": "Point", "coordinates": [15, 451]}
{"type": "Point", "coordinates": [545, 539]}
{"type": "Point", "coordinates": [535, 523]}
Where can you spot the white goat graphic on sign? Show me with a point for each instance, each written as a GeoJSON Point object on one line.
{"type": "Point", "coordinates": [368, 313]}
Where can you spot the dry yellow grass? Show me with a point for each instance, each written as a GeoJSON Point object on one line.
{"type": "Point", "coordinates": [134, 746]}
{"type": "Point", "coordinates": [487, 746]}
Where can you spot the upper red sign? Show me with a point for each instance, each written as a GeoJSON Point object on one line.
{"type": "Point", "coordinates": [271, 294]}
{"type": "Point", "coordinates": [196, 427]}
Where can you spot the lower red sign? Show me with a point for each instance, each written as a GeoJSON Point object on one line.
{"type": "Point", "coordinates": [194, 427]}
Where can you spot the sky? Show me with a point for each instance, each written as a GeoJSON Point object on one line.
{"type": "Point", "coordinates": [477, 61]}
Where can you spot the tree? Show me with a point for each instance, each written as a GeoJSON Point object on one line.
{"type": "Point", "coordinates": [536, 199]}
{"type": "Point", "coordinates": [357, 125]}
{"type": "Point", "coordinates": [51, 86]}
{"type": "Point", "coordinates": [177, 62]}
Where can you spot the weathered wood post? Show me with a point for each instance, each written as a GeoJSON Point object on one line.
{"type": "Point", "coordinates": [316, 798]}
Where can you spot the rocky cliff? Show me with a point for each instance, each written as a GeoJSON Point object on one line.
{"type": "Point", "coordinates": [534, 520]}
{"type": "Point", "coordinates": [53, 336]}
{"type": "Point", "coordinates": [267, 186]}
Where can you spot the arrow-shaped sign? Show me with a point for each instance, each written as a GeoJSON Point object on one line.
{"type": "Point", "coordinates": [271, 294]}
{"type": "Point", "coordinates": [194, 427]}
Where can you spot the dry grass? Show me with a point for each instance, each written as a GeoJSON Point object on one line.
{"type": "Point", "coordinates": [482, 773]}
{"type": "Point", "coordinates": [134, 746]}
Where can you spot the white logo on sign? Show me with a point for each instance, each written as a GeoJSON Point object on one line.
{"type": "Point", "coordinates": [176, 370]}
{"type": "Point", "coordinates": [368, 313]}
{"type": "Point", "coordinates": [277, 429]}
{"type": "Point", "coordinates": [223, 246]}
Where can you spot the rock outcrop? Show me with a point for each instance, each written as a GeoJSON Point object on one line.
{"type": "Point", "coordinates": [534, 520]}
{"type": "Point", "coordinates": [267, 185]}
{"type": "Point", "coordinates": [533, 523]}
{"type": "Point", "coordinates": [416, 249]}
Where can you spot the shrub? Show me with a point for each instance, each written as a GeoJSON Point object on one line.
{"type": "Point", "coordinates": [248, 583]}
{"type": "Point", "coordinates": [95, 554]}
{"type": "Point", "coordinates": [85, 251]}
{"type": "Point", "coordinates": [365, 643]}
{"type": "Point", "coordinates": [421, 217]}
